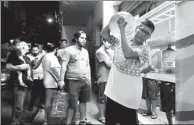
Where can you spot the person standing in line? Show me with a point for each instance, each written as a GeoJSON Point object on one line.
{"type": "Point", "coordinates": [41, 48]}
{"type": "Point", "coordinates": [150, 94]}
{"type": "Point", "coordinates": [19, 92]}
{"type": "Point", "coordinates": [51, 72]}
{"type": "Point", "coordinates": [124, 85]}
{"type": "Point", "coordinates": [38, 90]}
{"type": "Point", "coordinates": [60, 50]}
{"type": "Point", "coordinates": [75, 68]}
{"type": "Point", "coordinates": [104, 65]}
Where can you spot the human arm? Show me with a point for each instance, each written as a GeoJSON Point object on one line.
{"type": "Point", "coordinates": [145, 57]}
{"type": "Point", "coordinates": [102, 58]}
{"type": "Point", "coordinates": [64, 62]}
{"type": "Point", "coordinates": [12, 67]}
{"type": "Point", "coordinates": [21, 67]}
{"type": "Point", "coordinates": [21, 59]}
{"type": "Point", "coordinates": [128, 52]}
{"type": "Point", "coordinates": [55, 70]}
{"type": "Point", "coordinates": [36, 62]}
{"type": "Point", "coordinates": [88, 69]}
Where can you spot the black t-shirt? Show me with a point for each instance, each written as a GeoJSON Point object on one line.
{"type": "Point", "coordinates": [14, 60]}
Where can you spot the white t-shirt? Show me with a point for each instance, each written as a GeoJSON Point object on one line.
{"type": "Point", "coordinates": [50, 61]}
{"type": "Point", "coordinates": [38, 72]}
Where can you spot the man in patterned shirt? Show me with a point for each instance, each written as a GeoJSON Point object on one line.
{"type": "Point", "coordinates": [124, 86]}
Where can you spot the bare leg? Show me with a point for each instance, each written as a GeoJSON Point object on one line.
{"type": "Point", "coordinates": [20, 79]}
{"type": "Point", "coordinates": [82, 109]}
{"type": "Point", "coordinates": [153, 103]}
{"type": "Point", "coordinates": [148, 104]}
{"type": "Point", "coordinates": [70, 115]}
{"type": "Point", "coordinates": [101, 108]}
{"type": "Point", "coordinates": [169, 117]}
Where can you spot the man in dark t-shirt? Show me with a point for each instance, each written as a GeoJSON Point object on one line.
{"type": "Point", "coordinates": [18, 91]}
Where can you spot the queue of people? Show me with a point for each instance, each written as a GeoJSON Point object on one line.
{"type": "Point", "coordinates": [120, 86]}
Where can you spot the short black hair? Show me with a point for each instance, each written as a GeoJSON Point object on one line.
{"type": "Point", "coordinates": [77, 35]}
{"type": "Point", "coordinates": [15, 41]}
{"type": "Point", "coordinates": [149, 24]}
{"type": "Point", "coordinates": [50, 47]}
{"type": "Point", "coordinates": [35, 45]}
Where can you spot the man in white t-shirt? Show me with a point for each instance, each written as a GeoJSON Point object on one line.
{"type": "Point", "coordinates": [51, 71]}
{"type": "Point", "coordinates": [124, 86]}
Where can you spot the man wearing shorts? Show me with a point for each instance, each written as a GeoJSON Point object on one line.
{"type": "Point", "coordinates": [75, 69]}
{"type": "Point", "coordinates": [150, 94]}
{"type": "Point", "coordinates": [104, 64]}
{"type": "Point", "coordinates": [167, 96]}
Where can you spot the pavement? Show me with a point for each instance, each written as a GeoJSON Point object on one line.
{"type": "Point", "coordinates": [6, 109]}
{"type": "Point", "coordinates": [92, 111]}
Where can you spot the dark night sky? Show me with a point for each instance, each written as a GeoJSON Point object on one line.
{"type": "Point", "coordinates": [36, 22]}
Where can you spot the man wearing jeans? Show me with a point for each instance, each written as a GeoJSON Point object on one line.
{"type": "Point", "coordinates": [19, 93]}
{"type": "Point", "coordinates": [75, 69]}
{"type": "Point", "coordinates": [38, 89]}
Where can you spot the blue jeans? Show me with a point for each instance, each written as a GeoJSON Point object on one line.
{"type": "Point", "coordinates": [19, 94]}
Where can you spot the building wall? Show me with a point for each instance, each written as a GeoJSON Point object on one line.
{"type": "Point", "coordinates": [108, 11]}
{"type": "Point", "coordinates": [184, 19]}
{"type": "Point", "coordinates": [68, 31]}
{"type": "Point", "coordinates": [184, 61]}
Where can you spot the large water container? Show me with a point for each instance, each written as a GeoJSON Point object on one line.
{"type": "Point", "coordinates": [168, 60]}
{"type": "Point", "coordinates": [59, 107]}
{"type": "Point", "coordinates": [129, 28]}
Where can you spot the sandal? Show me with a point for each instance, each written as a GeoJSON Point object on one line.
{"type": "Point", "coordinates": [154, 116]}
{"type": "Point", "coordinates": [102, 120]}
{"type": "Point", "coordinates": [146, 114]}
{"type": "Point", "coordinates": [23, 85]}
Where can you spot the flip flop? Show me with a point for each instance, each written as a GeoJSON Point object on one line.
{"type": "Point", "coordinates": [102, 120]}
{"type": "Point", "coordinates": [154, 116]}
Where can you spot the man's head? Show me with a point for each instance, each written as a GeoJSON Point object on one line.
{"type": "Point", "coordinates": [35, 50]}
{"type": "Point", "coordinates": [50, 47]}
{"type": "Point", "coordinates": [106, 44]}
{"type": "Point", "coordinates": [143, 31]}
{"type": "Point", "coordinates": [80, 38]}
{"type": "Point", "coordinates": [41, 47]}
{"type": "Point", "coordinates": [63, 43]}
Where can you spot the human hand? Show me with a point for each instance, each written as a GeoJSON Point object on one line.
{"type": "Point", "coordinates": [122, 23]}
{"type": "Point", "coordinates": [147, 69]}
{"type": "Point", "coordinates": [35, 61]}
{"type": "Point", "coordinates": [61, 84]}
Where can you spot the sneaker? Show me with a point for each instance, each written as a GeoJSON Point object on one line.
{"type": "Point", "coordinates": [85, 123]}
